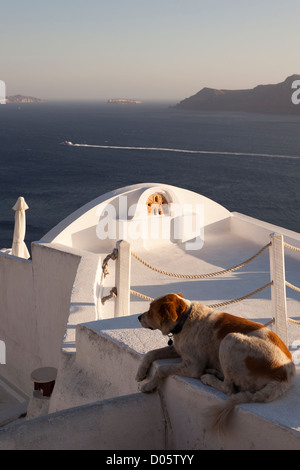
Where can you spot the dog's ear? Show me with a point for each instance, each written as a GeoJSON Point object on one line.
{"type": "Point", "coordinates": [168, 311]}
{"type": "Point", "coordinates": [172, 307]}
{"type": "Point", "coordinates": [180, 294]}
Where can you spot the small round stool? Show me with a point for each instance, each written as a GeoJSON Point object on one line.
{"type": "Point", "coordinates": [44, 380]}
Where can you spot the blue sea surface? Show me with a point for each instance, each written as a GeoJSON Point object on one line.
{"type": "Point", "coordinates": [56, 180]}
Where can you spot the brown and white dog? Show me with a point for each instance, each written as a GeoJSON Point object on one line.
{"type": "Point", "coordinates": [239, 357]}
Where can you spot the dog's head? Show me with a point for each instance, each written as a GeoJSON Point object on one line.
{"type": "Point", "coordinates": [164, 313]}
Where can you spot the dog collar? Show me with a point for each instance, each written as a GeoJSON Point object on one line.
{"type": "Point", "coordinates": [177, 329]}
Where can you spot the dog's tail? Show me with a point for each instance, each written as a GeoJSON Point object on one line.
{"type": "Point", "coordinates": [218, 417]}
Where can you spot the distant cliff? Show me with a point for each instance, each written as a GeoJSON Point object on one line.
{"type": "Point", "coordinates": [261, 99]}
{"type": "Point", "coordinates": [23, 99]}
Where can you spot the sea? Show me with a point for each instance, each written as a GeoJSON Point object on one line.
{"type": "Point", "coordinates": [249, 163]}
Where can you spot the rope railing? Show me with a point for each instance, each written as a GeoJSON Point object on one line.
{"type": "Point", "coordinates": [294, 248]}
{"type": "Point", "coordinates": [205, 276]}
{"type": "Point", "coordinates": [291, 247]}
{"type": "Point", "coordinates": [104, 272]}
{"type": "Point", "coordinates": [142, 296]}
{"type": "Point", "coordinates": [222, 304]}
{"type": "Point", "coordinates": [200, 276]}
{"type": "Point", "coordinates": [112, 256]}
{"type": "Point", "coordinates": [290, 285]}
{"type": "Point", "coordinates": [113, 294]}
{"type": "Point", "coordinates": [278, 282]}
{"type": "Point", "coordinates": [244, 297]}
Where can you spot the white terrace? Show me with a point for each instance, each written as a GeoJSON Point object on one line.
{"type": "Point", "coordinates": [54, 314]}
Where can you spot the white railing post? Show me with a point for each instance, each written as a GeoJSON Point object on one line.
{"type": "Point", "coordinates": [278, 290]}
{"type": "Point", "coordinates": [123, 264]}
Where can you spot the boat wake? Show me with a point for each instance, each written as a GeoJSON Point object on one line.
{"type": "Point", "coordinates": [204, 152]}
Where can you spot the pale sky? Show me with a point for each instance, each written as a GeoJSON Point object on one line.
{"type": "Point", "coordinates": [145, 49]}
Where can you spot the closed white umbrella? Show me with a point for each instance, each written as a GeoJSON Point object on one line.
{"type": "Point", "coordinates": [19, 247]}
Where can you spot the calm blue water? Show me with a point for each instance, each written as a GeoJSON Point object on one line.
{"type": "Point", "coordinates": [56, 180]}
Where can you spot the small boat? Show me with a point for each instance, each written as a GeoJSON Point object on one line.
{"type": "Point", "coordinates": [66, 142]}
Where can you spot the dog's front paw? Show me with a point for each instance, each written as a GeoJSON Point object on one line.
{"type": "Point", "coordinates": [149, 387]}
{"type": "Point", "coordinates": [141, 373]}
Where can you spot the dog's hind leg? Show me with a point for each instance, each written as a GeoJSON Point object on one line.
{"type": "Point", "coordinates": [225, 386]}
{"type": "Point", "coordinates": [215, 372]}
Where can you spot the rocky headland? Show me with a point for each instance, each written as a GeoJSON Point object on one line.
{"type": "Point", "coordinates": [275, 99]}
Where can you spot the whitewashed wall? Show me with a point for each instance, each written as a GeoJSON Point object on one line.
{"type": "Point", "coordinates": [34, 308]}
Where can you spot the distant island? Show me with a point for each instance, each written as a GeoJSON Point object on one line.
{"type": "Point", "coordinates": [23, 99]}
{"type": "Point", "coordinates": [275, 99]}
{"type": "Point", "coordinates": [123, 101]}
